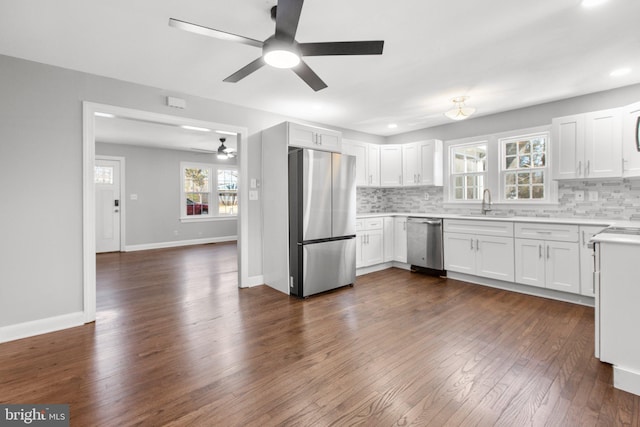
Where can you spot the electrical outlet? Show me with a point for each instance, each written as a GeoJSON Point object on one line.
{"type": "Point", "coordinates": [593, 196]}
{"type": "Point", "coordinates": [426, 195]}
{"type": "Point", "coordinates": [579, 195]}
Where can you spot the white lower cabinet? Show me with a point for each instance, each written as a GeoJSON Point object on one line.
{"type": "Point", "coordinates": [369, 241]}
{"type": "Point", "coordinates": [546, 263]}
{"type": "Point", "coordinates": [485, 256]}
{"type": "Point", "coordinates": [400, 239]}
{"type": "Point", "coordinates": [481, 248]}
{"type": "Point", "coordinates": [587, 259]}
{"type": "Point", "coordinates": [388, 239]}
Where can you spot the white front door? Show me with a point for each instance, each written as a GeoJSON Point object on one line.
{"type": "Point", "coordinates": [108, 205]}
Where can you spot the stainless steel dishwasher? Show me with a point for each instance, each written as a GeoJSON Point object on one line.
{"type": "Point", "coordinates": [424, 243]}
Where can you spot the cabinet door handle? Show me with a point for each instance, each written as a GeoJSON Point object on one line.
{"type": "Point", "coordinates": [583, 240]}
{"type": "Point", "coordinates": [419, 180]}
{"type": "Point", "coordinates": [415, 178]}
{"type": "Point", "coordinates": [477, 245]}
{"type": "Point", "coordinates": [547, 251]}
{"type": "Point", "coordinates": [580, 168]}
{"type": "Point", "coordinates": [587, 167]}
{"type": "Point", "coordinates": [471, 244]}
{"type": "Point", "coordinates": [320, 139]}
{"type": "Point", "coordinates": [539, 251]}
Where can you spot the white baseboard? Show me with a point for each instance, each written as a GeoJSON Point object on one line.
{"type": "Point", "coordinates": [254, 281]}
{"type": "Point", "coordinates": [41, 326]}
{"type": "Point", "coordinates": [524, 289]}
{"type": "Point", "coordinates": [177, 243]}
{"type": "Point", "coordinates": [627, 380]}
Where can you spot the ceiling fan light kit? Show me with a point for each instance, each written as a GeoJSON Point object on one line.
{"type": "Point", "coordinates": [461, 111]}
{"type": "Point", "coordinates": [282, 50]}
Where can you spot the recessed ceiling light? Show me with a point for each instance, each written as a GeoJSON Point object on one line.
{"type": "Point", "coordinates": [187, 127]}
{"type": "Point", "coordinates": [592, 3]}
{"type": "Point", "coordinates": [107, 115]}
{"type": "Point", "coordinates": [620, 72]}
{"type": "Point", "coordinates": [392, 126]}
{"type": "Point", "coordinates": [224, 132]}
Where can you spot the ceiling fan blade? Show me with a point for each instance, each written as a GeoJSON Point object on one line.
{"type": "Point", "coordinates": [373, 47]}
{"type": "Point", "coordinates": [245, 71]}
{"type": "Point", "coordinates": [287, 18]}
{"type": "Point", "coordinates": [309, 76]}
{"type": "Point", "coordinates": [210, 32]}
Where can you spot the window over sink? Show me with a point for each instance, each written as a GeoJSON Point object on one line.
{"type": "Point", "coordinates": [514, 166]}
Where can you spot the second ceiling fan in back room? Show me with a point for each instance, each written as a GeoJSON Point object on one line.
{"type": "Point", "coordinates": [282, 50]}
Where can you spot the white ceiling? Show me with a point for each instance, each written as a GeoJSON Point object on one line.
{"type": "Point", "coordinates": [504, 54]}
{"type": "Point", "coordinates": [153, 134]}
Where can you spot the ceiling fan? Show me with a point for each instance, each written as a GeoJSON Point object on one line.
{"type": "Point", "coordinates": [282, 50]}
{"type": "Point", "coordinates": [224, 152]}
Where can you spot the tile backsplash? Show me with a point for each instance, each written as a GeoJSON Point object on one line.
{"type": "Point", "coordinates": [619, 199]}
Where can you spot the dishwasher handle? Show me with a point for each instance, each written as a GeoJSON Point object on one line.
{"type": "Point", "coordinates": [429, 221]}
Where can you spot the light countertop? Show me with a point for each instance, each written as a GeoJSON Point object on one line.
{"type": "Point", "coordinates": [544, 220]}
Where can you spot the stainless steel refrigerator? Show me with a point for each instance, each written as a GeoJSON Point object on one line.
{"type": "Point", "coordinates": [322, 221]}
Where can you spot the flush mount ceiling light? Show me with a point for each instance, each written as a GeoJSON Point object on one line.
{"type": "Point", "coordinates": [461, 111]}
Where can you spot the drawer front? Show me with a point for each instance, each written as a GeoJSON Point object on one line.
{"type": "Point", "coordinates": [359, 225]}
{"type": "Point", "coordinates": [373, 223]}
{"type": "Point", "coordinates": [556, 232]}
{"type": "Point", "coordinates": [479, 227]}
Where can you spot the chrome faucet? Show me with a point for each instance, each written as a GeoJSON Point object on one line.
{"type": "Point", "coordinates": [486, 201]}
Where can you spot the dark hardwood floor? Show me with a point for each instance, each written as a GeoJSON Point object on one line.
{"type": "Point", "coordinates": [177, 343]}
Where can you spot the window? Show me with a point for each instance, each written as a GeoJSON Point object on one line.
{"type": "Point", "coordinates": [468, 171]}
{"type": "Point", "coordinates": [227, 191]}
{"type": "Point", "coordinates": [208, 191]}
{"type": "Point", "coordinates": [524, 171]}
{"type": "Point", "coordinates": [103, 175]}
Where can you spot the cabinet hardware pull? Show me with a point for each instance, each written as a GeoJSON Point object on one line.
{"type": "Point", "coordinates": [587, 167]}
{"type": "Point", "coordinates": [477, 245]}
{"type": "Point", "coordinates": [583, 238]}
{"type": "Point", "coordinates": [539, 251]}
{"type": "Point", "coordinates": [580, 168]}
{"type": "Point", "coordinates": [415, 178]}
{"type": "Point", "coordinates": [471, 244]}
{"type": "Point", "coordinates": [320, 139]}
{"type": "Point", "coordinates": [419, 179]}
{"type": "Point", "coordinates": [547, 251]}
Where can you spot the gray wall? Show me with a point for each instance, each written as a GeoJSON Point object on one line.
{"type": "Point", "coordinates": [537, 115]}
{"type": "Point", "coordinates": [41, 178]}
{"type": "Point", "coordinates": [154, 175]}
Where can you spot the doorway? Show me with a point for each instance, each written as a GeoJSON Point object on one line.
{"type": "Point", "coordinates": [89, 189]}
{"type": "Point", "coordinates": [109, 204]}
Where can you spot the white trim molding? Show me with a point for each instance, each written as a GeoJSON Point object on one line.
{"type": "Point", "coordinates": [88, 191]}
{"type": "Point", "coordinates": [41, 326]}
{"type": "Point", "coordinates": [627, 380]}
{"type": "Point", "coordinates": [178, 243]}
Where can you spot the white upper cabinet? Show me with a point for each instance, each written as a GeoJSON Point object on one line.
{"type": "Point", "coordinates": [373, 165]}
{"type": "Point", "coordinates": [422, 163]}
{"type": "Point", "coordinates": [603, 144]}
{"type": "Point", "coordinates": [359, 150]}
{"type": "Point", "coordinates": [391, 165]}
{"type": "Point", "coordinates": [314, 137]}
{"type": "Point", "coordinates": [411, 164]}
{"type": "Point", "coordinates": [367, 162]}
{"type": "Point", "coordinates": [430, 155]}
{"type": "Point", "coordinates": [630, 140]}
{"type": "Point", "coordinates": [588, 145]}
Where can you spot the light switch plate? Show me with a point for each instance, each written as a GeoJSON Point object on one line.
{"type": "Point", "coordinates": [253, 195]}
{"type": "Point", "coordinates": [593, 196]}
{"type": "Point", "coordinates": [579, 196]}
